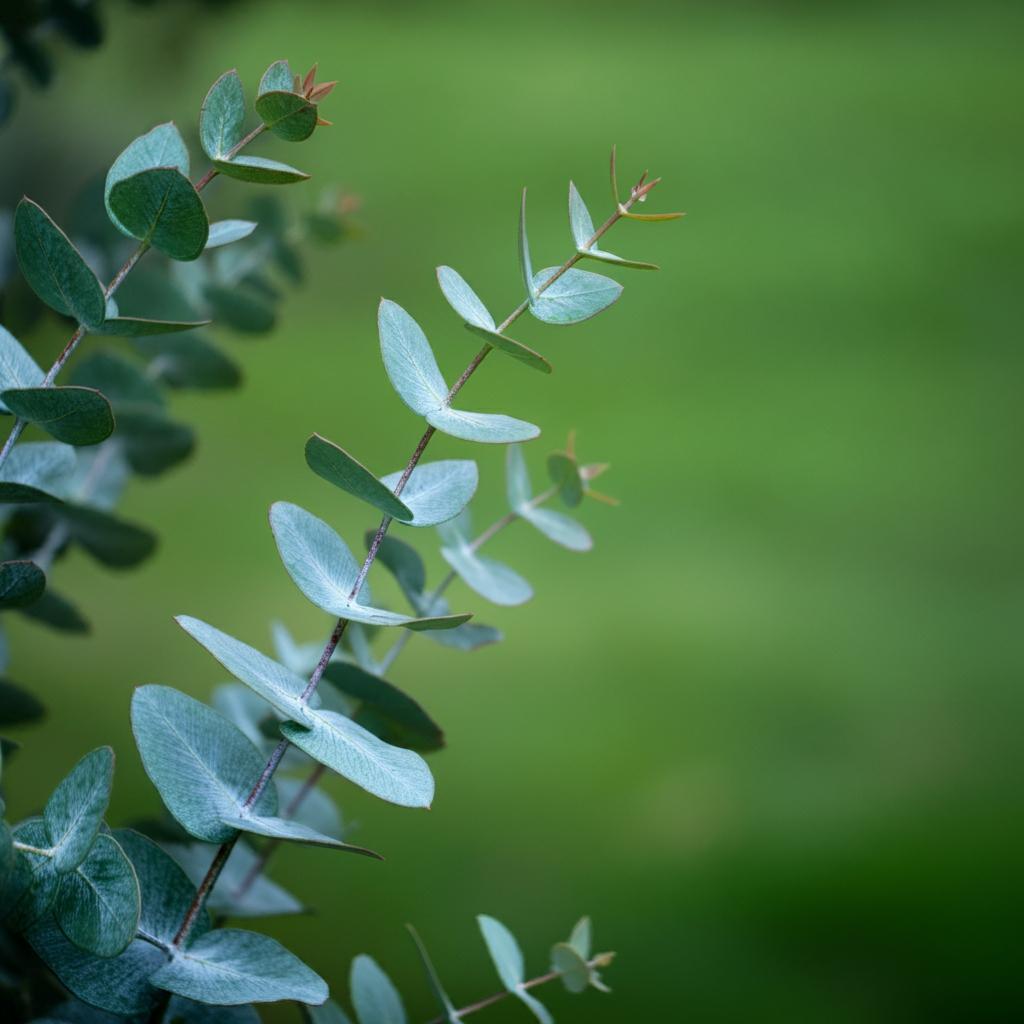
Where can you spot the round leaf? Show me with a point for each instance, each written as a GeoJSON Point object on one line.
{"type": "Point", "coordinates": [21, 583]}
{"type": "Point", "coordinates": [287, 114]}
{"type": "Point", "coordinates": [575, 296]}
{"type": "Point", "coordinates": [161, 207]}
{"type": "Point", "coordinates": [75, 415]}
{"type": "Point", "coordinates": [436, 491]}
{"type": "Point", "coordinates": [75, 810]}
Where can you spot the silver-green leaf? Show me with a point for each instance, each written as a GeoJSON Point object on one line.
{"type": "Point", "coordinates": [74, 813]}
{"type": "Point", "coordinates": [575, 296]}
{"type": "Point", "coordinates": [436, 491]}
{"type": "Point", "coordinates": [489, 578]}
{"type": "Point", "coordinates": [508, 962]}
{"type": "Point", "coordinates": [583, 231]}
{"type": "Point", "coordinates": [222, 116]}
{"type": "Point", "coordinates": [17, 368]}
{"type": "Point", "coordinates": [374, 996]}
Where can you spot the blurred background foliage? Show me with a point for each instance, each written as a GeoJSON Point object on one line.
{"type": "Point", "coordinates": [766, 732]}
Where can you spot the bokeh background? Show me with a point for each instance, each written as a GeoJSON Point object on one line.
{"type": "Point", "coordinates": [768, 732]}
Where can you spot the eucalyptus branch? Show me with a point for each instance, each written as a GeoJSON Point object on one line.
{"type": "Point", "coordinates": [637, 194]}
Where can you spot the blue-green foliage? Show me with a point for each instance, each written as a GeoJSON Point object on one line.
{"type": "Point", "coordinates": [215, 767]}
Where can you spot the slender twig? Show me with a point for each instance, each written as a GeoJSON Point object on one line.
{"type": "Point", "coordinates": [213, 872]}
{"type": "Point", "coordinates": [115, 283]}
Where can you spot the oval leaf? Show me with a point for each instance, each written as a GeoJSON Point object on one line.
{"type": "Point", "coordinates": [36, 471]}
{"type": "Point", "coordinates": [508, 961]}
{"type": "Point", "coordinates": [21, 583]}
{"type": "Point", "coordinates": [162, 208]}
{"type": "Point", "coordinates": [137, 327]}
{"type": "Point", "coordinates": [75, 810]}
{"type": "Point", "coordinates": [436, 491]}
{"type": "Point", "coordinates": [287, 114]}
{"type": "Point", "coordinates": [75, 415]}
{"type": "Point", "coordinates": [112, 541]}
{"type": "Point", "coordinates": [277, 76]}
{"type": "Point", "coordinates": [575, 296]}
{"type": "Point", "coordinates": [222, 116]}
{"type": "Point", "coordinates": [571, 966]}
{"type": "Point", "coordinates": [189, 361]}
{"type": "Point", "coordinates": [224, 232]}
{"type": "Point", "coordinates": [17, 368]}
{"type": "Point", "coordinates": [375, 998]}
{"type": "Point", "coordinates": [336, 466]}
{"type": "Point", "coordinates": [490, 579]}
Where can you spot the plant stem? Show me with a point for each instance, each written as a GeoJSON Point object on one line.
{"type": "Point", "coordinates": [213, 872]}
{"type": "Point", "coordinates": [115, 283]}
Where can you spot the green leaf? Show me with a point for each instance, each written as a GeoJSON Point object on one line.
{"type": "Point", "coordinates": [564, 472]}
{"type": "Point", "coordinates": [447, 1005]}
{"type": "Point", "coordinates": [383, 709]}
{"type": "Point", "coordinates": [336, 466]}
{"type": "Point", "coordinates": [555, 526]}
{"type": "Point", "coordinates": [78, 416]}
{"type": "Point", "coordinates": [436, 491]}
{"type": "Point", "coordinates": [260, 170]}
{"type": "Point", "coordinates": [583, 230]}
{"type": "Point", "coordinates": [57, 612]}
{"type": "Point", "coordinates": [375, 998]}
{"type": "Point", "coordinates": [323, 568]}
{"type": "Point", "coordinates": [404, 563]}
{"type": "Point", "coordinates": [262, 898]}
{"type": "Point", "coordinates": [288, 115]}
{"type": "Point", "coordinates": [110, 540]}
{"type": "Point", "coordinates": [489, 578]}
{"type": "Point", "coordinates": [162, 146]}
{"type": "Point", "coordinates": [17, 368]}
{"type": "Point", "coordinates": [329, 1013]}
{"type": "Point", "coordinates": [119, 380]}
{"type": "Point", "coordinates": [97, 906]}
{"type": "Point", "coordinates": [35, 878]}
{"type": "Point", "coordinates": [222, 116]}
{"type": "Point", "coordinates": [162, 208]}
{"type": "Point", "coordinates": [153, 443]}
{"type": "Point", "coordinates": [201, 764]}
{"type": "Point", "coordinates": [21, 583]}
{"type": "Point", "coordinates": [478, 320]}
{"type": "Point", "coordinates": [392, 773]}
{"type": "Point", "coordinates": [75, 810]}
{"type": "Point", "coordinates": [241, 307]}
{"type": "Point", "coordinates": [575, 296]}
{"type": "Point", "coordinates": [189, 361]}
{"type": "Point", "coordinates": [278, 76]}
{"type": "Point", "coordinates": [508, 961]}
{"type": "Point", "coordinates": [525, 266]}
{"type": "Point", "coordinates": [18, 706]}
{"type": "Point", "coordinates": [121, 984]}
{"type": "Point", "coordinates": [224, 232]}
{"type": "Point", "coordinates": [187, 1011]}
{"type": "Point", "coordinates": [572, 967]}
{"type": "Point", "coordinates": [35, 471]}
{"type": "Point", "coordinates": [54, 268]}
{"type": "Point", "coordinates": [414, 374]}
{"type": "Point", "coordinates": [229, 966]}
{"type": "Point", "coordinates": [279, 687]}
{"type": "Point", "coordinates": [580, 937]}
{"type": "Point", "coordinates": [137, 327]}
{"type": "Point", "coordinates": [316, 809]}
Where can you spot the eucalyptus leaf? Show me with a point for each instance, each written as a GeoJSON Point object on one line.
{"type": "Point", "coordinates": [97, 905]}
{"type": "Point", "coordinates": [229, 966]}
{"type": "Point", "coordinates": [21, 583]}
{"type": "Point", "coordinates": [336, 466]}
{"type": "Point", "coordinates": [188, 1011]}
{"type": "Point", "coordinates": [508, 961]}
{"type": "Point", "coordinates": [189, 361]}
{"type": "Point", "coordinates": [35, 471]}
{"type": "Point", "coordinates": [575, 296]}
{"type": "Point", "coordinates": [309, 806]}
{"type": "Point", "coordinates": [525, 266]}
{"type": "Point", "coordinates": [392, 773]}
{"type": "Point", "coordinates": [554, 525]}
{"type": "Point", "coordinates": [489, 578]}
{"type": "Point", "coordinates": [329, 1013]}
{"type": "Point", "coordinates": [152, 442]}
{"type": "Point", "coordinates": [260, 170]}
{"type": "Point", "coordinates": [323, 568]}
{"type": "Point", "coordinates": [121, 381]}
{"type": "Point", "coordinates": [404, 563]}
{"type": "Point", "coordinates": [18, 706]}
{"type": "Point", "coordinates": [110, 540]}
{"type": "Point", "coordinates": [287, 114]}
{"type": "Point", "coordinates": [222, 116]}
{"type": "Point", "coordinates": [583, 231]}
{"type": "Point", "coordinates": [516, 349]}
{"type": "Point", "coordinates": [17, 368]}
{"type": "Point", "coordinates": [224, 232]}
{"type": "Point", "coordinates": [241, 307]}
{"type": "Point", "coordinates": [35, 880]}
{"type": "Point", "coordinates": [161, 207]}
{"type": "Point", "coordinates": [54, 268]}
{"type": "Point", "coordinates": [75, 415]}
{"type": "Point", "coordinates": [374, 996]}
{"type": "Point", "coordinates": [580, 937]}
{"type": "Point", "coordinates": [447, 1005]}
{"type": "Point", "coordinates": [564, 472]}
{"type": "Point", "coordinates": [414, 374]}
{"type": "Point", "coordinates": [75, 810]}
{"type": "Point", "coordinates": [138, 327]}
{"type": "Point", "coordinates": [436, 491]}
{"type": "Point", "coordinates": [57, 612]}
{"type": "Point", "coordinates": [162, 146]}
{"type": "Point", "coordinates": [277, 76]}
{"type": "Point", "coordinates": [571, 966]}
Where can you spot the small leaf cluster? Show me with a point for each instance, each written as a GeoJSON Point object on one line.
{"type": "Point", "coordinates": [112, 420]}
{"type": "Point", "coordinates": [215, 767]}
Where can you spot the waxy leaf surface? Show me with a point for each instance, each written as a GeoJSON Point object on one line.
{"type": "Point", "coordinates": [36, 471]}
{"type": "Point", "coordinates": [436, 491]}
{"type": "Point", "coordinates": [336, 466]}
{"type": "Point", "coordinates": [75, 415]}
{"type": "Point", "coordinates": [583, 230]}
{"type": "Point", "coordinates": [75, 810]}
{"type": "Point", "coordinates": [160, 206]}
{"type": "Point", "coordinates": [17, 368]}
{"type": "Point", "coordinates": [222, 116]}
{"type": "Point", "coordinates": [374, 996]}
{"type": "Point", "coordinates": [575, 296]}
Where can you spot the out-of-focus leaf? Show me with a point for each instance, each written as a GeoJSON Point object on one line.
{"type": "Point", "coordinates": [435, 491]}
{"type": "Point", "coordinates": [110, 540]}
{"type": "Point", "coordinates": [18, 706]}
{"type": "Point", "coordinates": [229, 966]}
{"type": "Point", "coordinates": [35, 471]}
{"type": "Point", "coordinates": [525, 265]}
{"type": "Point", "coordinates": [554, 525]}
{"type": "Point", "coordinates": [414, 374]}
{"type": "Point", "coordinates": [432, 976]}
{"type": "Point", "coordinates": [260, 170]}
{"type": "Point", "coordinates": [489, 578]}
{"type": "Point", "coordinates": [56, 611]}
{"type": "Point", "coordinates": [224, 232]}
{"type": "Point", "coordinates": [161, 207]}
{"type": "Point", "coordinates": [119, 380]}
{"type": "Point", "coordinates": [241, 307]}
{"type": "Point", "coordinates": [508, 962]}
{"type": "Point", "coordinates": [564, 472]}
{"type": "Point", "coordinates": [138, 327]}
{"type": "Point", "coordinates": [162, 146]}
{"type": "Point", "coordinates": [329, 1013]}
{"type": "Point", "coordinates": [222, 116]}
{"type": "Point", "coordinates": [21, 583]}
{"type": "Point", "coordinates": [404, 563]}
{"type": "Point", "coordinates": [572, 967]}
{"type": "Point", "coordinates": [152, 442]}
{"type": "Point", "coordinates": [75, 415]}
{"type": "Point", "coordinates": [316, 809]}
{"type": "Point", "coordinates": [323, 568]}
{"type": "Point", "coordinates": [75, 810]}
{"type": "Point", "coordinates": [583, 230]}
{"type": "Point", "coordinates": [189, 361]}
{"type": "Point", "coordinates": [97, 906]}
{"type": "Point", "coordinates": [17, 368]}
{"type": "Point", "coordinates": [287, 114]}
{"type": "Point", "coordinates": [575, 296]}
{"type": "Point", "coordinates": [580, 937]}
{"type": "Point", "coordinates": [336, 466]}
{"type": "Point", "coordinates": [375, 998]}
{"type": "Point", "coordinates": [187, 1011]}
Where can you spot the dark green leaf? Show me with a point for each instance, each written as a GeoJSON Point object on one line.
{"type": "Point", "coordinates": [97, 905]}
{"type": "Point", "coordinates": [153, 443]}
{"type": "Point", "coordinates": [162, 208]}
{"type": "Point", "coordinates": [137, 327]}
{"type": "Point", "coordinates": [404, 563]}
{"type": "Point", "coordinates": [564, 472]}
{"type": "Point", "coordinates": [54, 268]}
{"type": "Point", "coordinates": [240, 307]}
{"type": "Point", "coordinates": [222, 116]}
{"type": "Point", "coordinates": [57, 612]}
{"type": "Point", "coordinates": [120, 381]}
{"type": "Point", "coordinates": [229, 966]}
{"type": "Point", "coordinates": [336, 466]}
{"type": "Point", "coordinates": [288, 115]}
{"type": "Point", "coordinates": [189, 361]}
{"type": "Point", "coordinates": [75, 810]}
{"type": "Point", "coordinates": [107, 538]}
{"type": "Point", "coordinates": [21, 583]}
{"type": "Point", "coordinates": [260, 170]}
{"type": "Point", "coordinates": [18, 706]}
{"type": "Point", "coordinates": [78, 416]}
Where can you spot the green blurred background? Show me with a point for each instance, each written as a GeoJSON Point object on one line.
{"type": "Point", "coordinates": [767, 733]}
